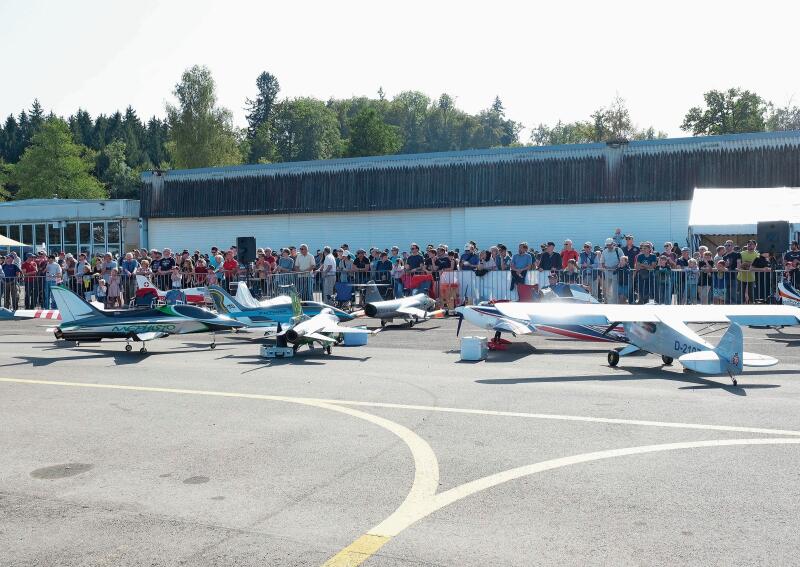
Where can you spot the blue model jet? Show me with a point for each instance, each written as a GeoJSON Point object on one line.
{"type": "Point", "coordinates": [271, 313]}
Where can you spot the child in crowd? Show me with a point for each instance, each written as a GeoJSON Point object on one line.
{"type": "Point", "coordinates": [100, 290]}
{"type": "Point", "coordinates": [398, 271]}
{"type": "Point", "coordinates": [692, 274]}
{"type": "Point", "coordinates": [176, 278]}
{"type": "Point", "coordinates": [114, 291]}
{"type": "Point", "coordinates": [87, 283]}
{"type": "Point", "coordinates": [719, 283]}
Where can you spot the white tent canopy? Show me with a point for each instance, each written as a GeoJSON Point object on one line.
{"type": "Point", "coordinates": [738, 211]}
{"type": "Point", "coordinates": [4, 242]}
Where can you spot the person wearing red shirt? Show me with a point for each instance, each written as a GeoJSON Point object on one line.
{"type": "Point", "coordinates": [30, 271]}
{"type": "Point", "coordinates": [568, 253]}
{"type": "Point", "coordinates": [230, 267]}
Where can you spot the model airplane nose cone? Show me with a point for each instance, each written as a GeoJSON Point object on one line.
{"type": "Point", "coordinates": [292, 336]}
{"type": "Point", "coordinates": [370, 310]}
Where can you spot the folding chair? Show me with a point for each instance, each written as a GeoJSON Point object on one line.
{"type": "Point", "coordinates": [344, 295]}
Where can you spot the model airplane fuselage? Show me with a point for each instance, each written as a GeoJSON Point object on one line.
{"type": "Point", "coordinates": [81, 322]}
{"type": "Point", "coordinates": [273, 312]}
{"type": "Point", "coordinates": [658, 329]}
{"type": "Point", "coordinates": [417, 307]}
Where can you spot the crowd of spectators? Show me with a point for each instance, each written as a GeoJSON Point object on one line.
{"type": "Point", "coordinates": [621, 271]}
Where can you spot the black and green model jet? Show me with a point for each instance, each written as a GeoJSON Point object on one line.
{"type": "Point", "coordinates": [81, 322]}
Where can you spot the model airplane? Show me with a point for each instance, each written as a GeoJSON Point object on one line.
{"type": "Point", "coordinates": [412, 309]}
{"type": "Point", "coordinates": [195, 295]}
{"type": "Point", "coordinates": [271, 313]}
{"type": "Point", "coordinates": [322, 328]}
{"type": "Point", "coordinates": [81, 322]}
{"type": "Point", "coordinates": [657, 329]}
{"type": "Point", "coordinates": [48, 314]}
{"type": "Point", "coordinates": [788, 294]}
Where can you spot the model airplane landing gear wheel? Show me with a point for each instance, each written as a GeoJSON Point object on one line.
{"type": "Point", "coordinates": [212, 346]}
{"type": "Point", "coordinates": [383, 323]}
{"type": "Point", "coordinates": [667, 360]}
{"type": "Point", "coordinates": [128, 348]}
{"type": "Point", "coordinates": [143, 350]}
{"type": "Point", "coordinates": [410, 323]}
{"type": "Point", "coordinates": [613, 358]}
{"type": "Point", "coordinates": [295, 347]}
{"type": "Point", "coordinates": [328, 349]}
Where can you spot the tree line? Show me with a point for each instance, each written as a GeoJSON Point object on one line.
{"type": "Point", "coordinates": [43, 155]}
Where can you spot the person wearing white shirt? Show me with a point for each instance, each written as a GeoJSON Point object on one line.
{"type": "Point", "coordinates": [304, 262]}
{"type": "Point", "coordinates": [328, 272]}
{"type": "Point", "coordinates": [609, 261]}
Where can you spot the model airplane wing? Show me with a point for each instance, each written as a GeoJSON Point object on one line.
{"type": "Point", "coordinates": [318, 337]}
{"type": "Point", "coordinates": [413, 311]}
{"type": "Point", "coordinates": [602, 314]}
{"type": "Point", "coordinates": [333, 328]}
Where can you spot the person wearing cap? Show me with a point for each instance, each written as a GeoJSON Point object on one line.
{"type": "Point", "coordinates": [11, 274]}
{"type": "Point", "coordinates": [589, 264]}
{"type": "Point", "coordinates": [361, 266]}
{"type": "Point", "coordinates": [646, 262]}
{"type": "Point", "coordinates": [469, 259]}
{"type": "Point", "coordinates": [548, 261]}
{"type": "Point", "coordinates": [609, 261]}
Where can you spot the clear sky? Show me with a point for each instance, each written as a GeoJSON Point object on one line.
{"type": "Point", "coordinates": [546, 60]}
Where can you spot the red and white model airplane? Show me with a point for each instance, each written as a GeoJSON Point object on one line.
{"type": "Point", "coordinates": [193, 294]}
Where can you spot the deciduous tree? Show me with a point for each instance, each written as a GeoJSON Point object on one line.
{"type": "Point", "coordinates": [201, 133]}
{"type": "Point", "coordinates": [727, 112]}
{"type": "Point", "coordinates": [55, 165]}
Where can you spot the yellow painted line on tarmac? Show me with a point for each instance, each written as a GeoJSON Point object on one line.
{"type": "Point", "coordinates": [423, 500]}
{"type": "Point", "coordinates": [357, 552]}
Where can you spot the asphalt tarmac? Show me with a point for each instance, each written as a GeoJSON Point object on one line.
{"type": "Point", "coordinates": [395, 453]}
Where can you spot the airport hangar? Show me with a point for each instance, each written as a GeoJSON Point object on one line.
{"type": "Point", "coordinates": [495, 195]}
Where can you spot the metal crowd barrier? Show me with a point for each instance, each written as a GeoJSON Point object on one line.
{"type": "Point", "coordinates": [451, 287]}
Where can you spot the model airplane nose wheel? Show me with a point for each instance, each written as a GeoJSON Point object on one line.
{"type": "Point", "coordinates": [128, 348]}
{"type": "Point", "coordinates": [613, 358]}
{"type": "Point", "coordinates": [213, 346]}
{"type": "Point", "coordinates": [328, 349]}
{"type": "Point", "coordinates": [667, 360]}
{"type": "Point", "coordinates": [411, 323]}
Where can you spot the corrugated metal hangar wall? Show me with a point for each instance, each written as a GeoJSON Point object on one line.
{"type": "Point", "coordinates": [531, 193]}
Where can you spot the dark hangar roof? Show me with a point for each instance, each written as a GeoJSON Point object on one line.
{"type": "Point", "coordinates": [653, 170]}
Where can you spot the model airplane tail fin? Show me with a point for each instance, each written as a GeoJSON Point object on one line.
{"type": "Point", "coordinates": [143, 283]}
{"type": "Point", "coordinates": [72, 307]}
{"type": "Point", "coordinates": [727, 358]}
{"type": "Point", "coordinates": [731, 349]}
{"type": "Point", "coordinates": [297, 304]}
{"type": "Point", "coordinates": [372, 294]}
{"type": "Point", "coordinates": [223, 300]}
